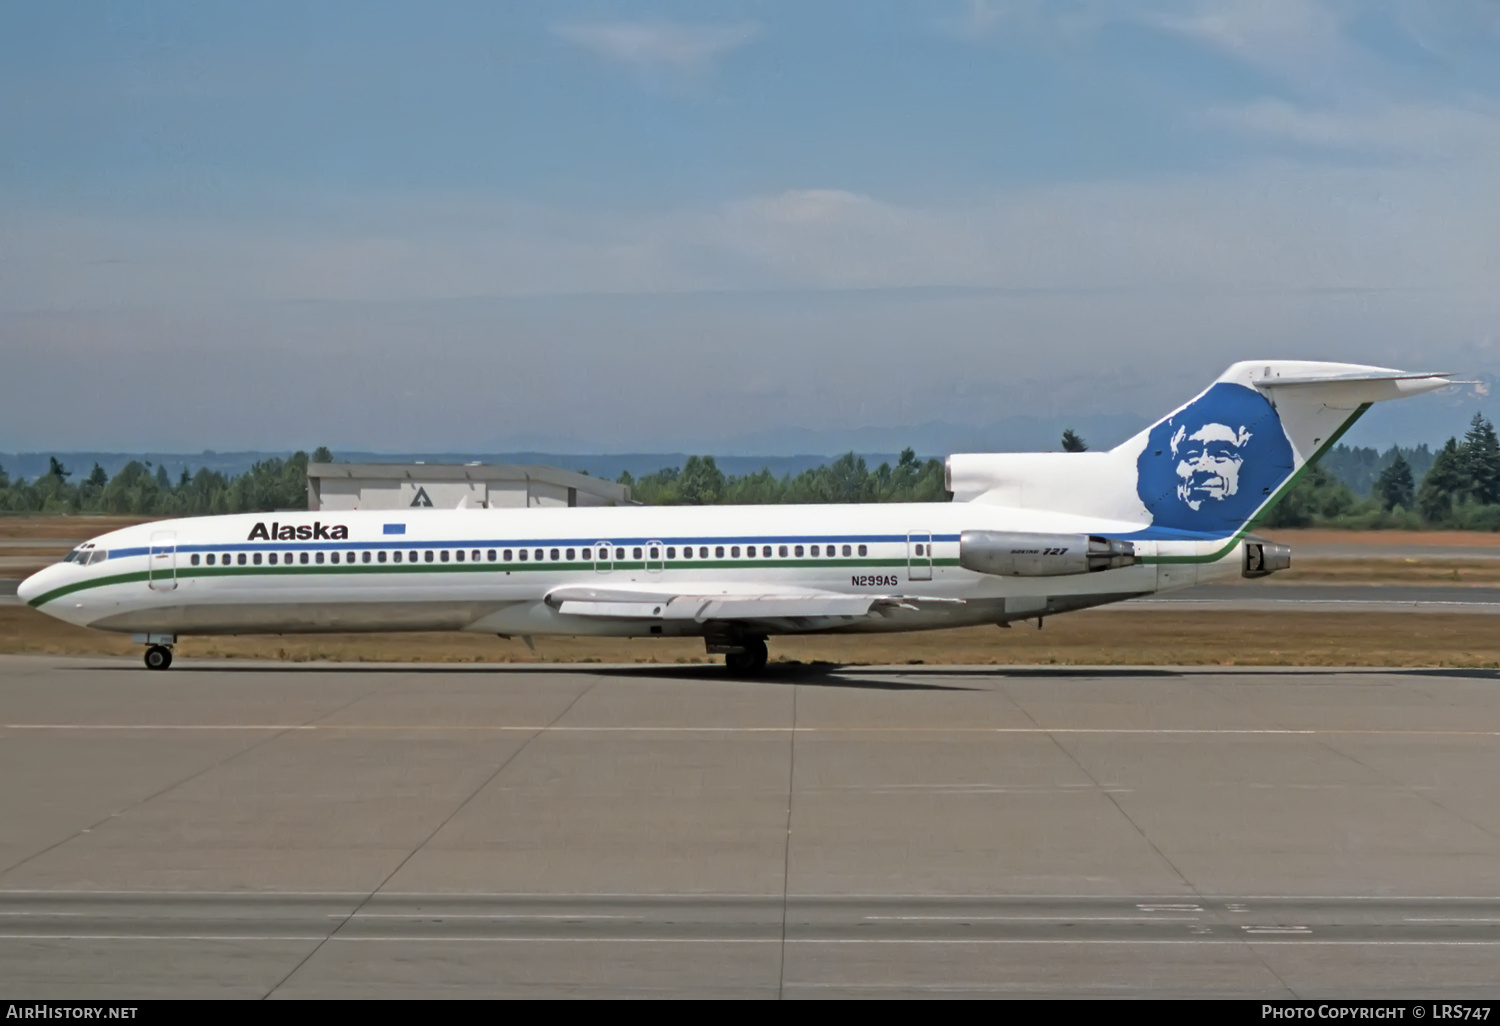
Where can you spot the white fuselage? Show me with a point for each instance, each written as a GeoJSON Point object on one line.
{"type": "Point", "coordinates": [493, 571]}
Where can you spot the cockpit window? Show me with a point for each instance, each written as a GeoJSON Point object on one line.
{"type": "Point", "coordinates": [76, 556]}
{"type": "Point", "coordinates": [98, 556]}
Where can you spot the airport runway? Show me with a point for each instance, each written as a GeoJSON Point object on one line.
{"type": "Point", "coordinates": [240, 829]}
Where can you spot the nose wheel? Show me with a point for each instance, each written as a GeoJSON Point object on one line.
{"type": "Point", "coordinates": [158, 657]}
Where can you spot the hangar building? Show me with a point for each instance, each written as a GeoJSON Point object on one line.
{"type": "Point", "coordinates": [444, 486]}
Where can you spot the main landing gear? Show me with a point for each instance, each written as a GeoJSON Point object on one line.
{"type": "Point", "coordinates": [158, 657]}
{"type": "Point", "coordinates": [751, 657]}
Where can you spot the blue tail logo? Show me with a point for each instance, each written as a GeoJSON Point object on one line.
{"type": "Point", "coordinates": [1212, 464]}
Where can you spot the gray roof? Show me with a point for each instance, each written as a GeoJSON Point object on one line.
{"type": "Point", "coordinates": [469, 472]}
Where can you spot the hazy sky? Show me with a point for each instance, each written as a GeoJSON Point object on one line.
{"type": "Point", "coordinates": [618, 226]}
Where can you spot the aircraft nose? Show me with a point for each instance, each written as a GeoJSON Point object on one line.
{"type": "Point", "coordinates": [34, 585]}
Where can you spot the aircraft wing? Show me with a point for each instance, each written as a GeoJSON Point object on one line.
{"type": "Point", "coordinates": [704, 606]}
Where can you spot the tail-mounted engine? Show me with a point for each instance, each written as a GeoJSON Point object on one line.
{"type": "Point", "coordinates": [1018, 554]}
{"type": "Point", "coordinates": [1263, 558]}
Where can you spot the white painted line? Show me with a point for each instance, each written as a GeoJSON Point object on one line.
{"type": "Point", "coordinates": [470, 728]}
{"type": "Point", "coordinates": [1448, 919]}
{"type": "Point", "coordinates": [441, 916]}
{"type": "Point", "coordinates": [1037, 919]}
{"type": "Point", "coordinates": [1277, 929]}
{"type": "Point", "coordinates": [716, 940]}
{"type": "Point", "coordinates": [1170, 908]}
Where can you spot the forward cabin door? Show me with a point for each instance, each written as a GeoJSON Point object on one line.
{"type": "Point", "coordinates": [161, 561]}
{"type": "Point", "coordinates": [919, 556]}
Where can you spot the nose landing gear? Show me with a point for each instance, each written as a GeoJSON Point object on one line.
{"type": "Point", "coordinates": [158, 657]}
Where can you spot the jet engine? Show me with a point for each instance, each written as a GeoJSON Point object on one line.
{"type": "Point", "coordinates": [1018, 554]}
{"type": "Point", "coordinates": [1263, 558]}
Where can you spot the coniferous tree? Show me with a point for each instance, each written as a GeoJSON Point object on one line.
{"type": "Point", "coordinates": [1071, 442]}
{"type": "Point", "coordinates": [1442, 483]}
{"type": "Point", "coordinates": [1481, 461]}
{"type": "Point", "coordinates": [1395, 486]}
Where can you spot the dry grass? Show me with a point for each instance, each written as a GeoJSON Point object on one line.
{"type": "Point", "coordinates": [1155, 637]}
{"type": "Point", "coordinates": [66, 528]}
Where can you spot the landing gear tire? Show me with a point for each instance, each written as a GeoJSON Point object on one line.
{"type": "Point", "coordinates": [752, 660]}
{"type": "Point", "coordinates": [158, 657]}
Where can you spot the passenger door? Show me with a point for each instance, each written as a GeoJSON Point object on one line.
{"type": "Point", "coordinates": [919, 556]}
{"type": "Point", "coordinates": [161, 561]}
{"type": "Point", "coordinates": [603, 558]}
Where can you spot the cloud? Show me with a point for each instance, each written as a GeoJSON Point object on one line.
{"type": "Point", "coordinates": [650, 45]}
{"type": "Point", "coordinates": [1424, 130]}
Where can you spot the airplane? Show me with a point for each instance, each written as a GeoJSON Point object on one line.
{"type": "Point", "coordinates": [1026, 536]}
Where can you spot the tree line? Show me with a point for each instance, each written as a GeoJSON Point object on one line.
{"type": "Point", "coordinates": [140, 490]}
{"type": "Point", "coordinates": [700, 482]}
{"type": "Point", "coordinates": [1458, 485]}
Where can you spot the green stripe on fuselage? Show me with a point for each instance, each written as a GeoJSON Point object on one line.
{"type": "Point", "coordinates": [345, 570]}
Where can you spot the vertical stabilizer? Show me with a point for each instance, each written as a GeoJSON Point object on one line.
{"type": "Point", "coordinates": [1214, 463]}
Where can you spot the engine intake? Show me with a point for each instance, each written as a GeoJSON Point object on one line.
{"type": "Point", "coordinates": [1263, 558]}
{"type": "Point", "coordinates": [1018, 554]}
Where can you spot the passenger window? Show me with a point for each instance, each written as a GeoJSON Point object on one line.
{"type": "Point", "coordinates": [210, 559]}
{"type": "Point", "coordinates": [556, 555]}
{"type": "Point", "coordinates": [365, 555]}
{"type": "Point", "coordinates": [919, 548]}
{"type": "Point", "coordinates": [443, 556]}
{"type": "Point", "coordinates": [734, 551]}
{"type": "Point", "coordinates": [195, 560]}
{"type": "Point", "coordinates": [427, 556]}
{"type": "Point", "coordinates": [538, 554]}
{"type": "Point", "coordinates": [619, 553]}
{"type": "Point", "coordinates": [507, 555]}
{"type": "Point", "coordinates": [655, 552]}
{"type": "Point", "coordinates": [333, 557]}
{"type": "Point", "coordinates": [765, 550]}
{"type": "Point", "coordinates": [255, 559]}
{"type": "Point", "coordinates": [348, 557]}
{"type": "Point", "coordinates": [491, 555]}
{"type": "Point", "coordinates": [523, 554]}
{"type": "Point", "coordinates": [814, 551]}
{"type": "Point", "coordinates": [241, 559]}
{"type": "Point", "coordinates": [459, 555]}
{"type": "Point", "coordinates": [302, 559]}
{"type": "Point", "coordinates": [287, 558]}
{"type": "Point", "coordinates": [588, 554]}
{"type": "Point", "coordinates": [637, 553]}
{"type": "Point", "coordinates": [474, 556]}
{"type": "Point", "coordinates": [703, 552]}
{"type": "Point", "coordinates": [396, 556]}
{"type": "Point", "coordinates": [782, 551]}
{"type": "Point", "coordinates": [317, 557]}
{"type": "Point", "coordinates": [672, 552]}
{"type": "Point", "coordinates": [380, 556]}
{"type": "Point", "coordinates": [571, 553]}
{"type": "Point", "coordinates": [863, 551]}
{"type": "Point", "coordinates": [797, 551]}
{"type": "Point", "coordinates": [271, 559]}
{"type": "Point", "coordinates": [411, 557]}
{"type": "Point", "coordinates": [719, 552]}
{"type": "Point", "coordinates": [846, 550]}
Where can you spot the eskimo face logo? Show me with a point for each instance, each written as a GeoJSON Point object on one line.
{"type": "Point", "coordinates": [1213, 463]}
{"type": "Point", "coordinates": [1208, 463]}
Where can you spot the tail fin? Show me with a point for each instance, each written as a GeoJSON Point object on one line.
{"type": "Point", "coordinates": [1217, 461]}
{"type": "Point", "coordinates": [1211, 465]}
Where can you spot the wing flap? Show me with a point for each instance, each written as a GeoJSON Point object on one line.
{"type": "Point", "coordinates": [656, 604]}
